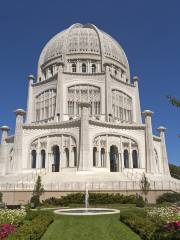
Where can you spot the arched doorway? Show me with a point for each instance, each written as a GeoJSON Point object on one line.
{"type": "Point", "coordinates": [113, 158]}
{"type": "Point", "coordinates": [33, 159]}
{"type": "Point", "coordinates": [135, 158]}
{"type": "Point", "coordinates": [43, 158]}
{"type": "Point", "coordinates": [56, 159]}
{"type": "Point", "coordinates": [126, 159]}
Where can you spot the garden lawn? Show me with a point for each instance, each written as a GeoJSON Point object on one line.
{"type": "Point", "coordinates": [102, 227]}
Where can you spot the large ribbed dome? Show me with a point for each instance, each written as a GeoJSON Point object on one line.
{"type": "Point", "coordinates": [83, 39]}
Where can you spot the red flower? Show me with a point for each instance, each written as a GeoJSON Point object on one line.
{"type": "Point", "coordinates": [6, 229]}
{"type": "Point", "coordinates": [173, 226]}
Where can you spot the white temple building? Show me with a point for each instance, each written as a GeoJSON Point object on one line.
{"type": "Point", "coordinates": [83, 122]}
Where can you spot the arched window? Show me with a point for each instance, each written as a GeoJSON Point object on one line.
{"type": "Point", "coordinates": [135, 158]}
{"type": "Point", "coordinates": [45, 104]}
{"type": "Point", "coordinates": [73, 67]}
{"type": "Point", "coordinates": [102, 157]}
{"type": "Point", "coordinates": [75, 156]}
{"type": "Point", "coordinates": [43, 158]}
{"type": "Point", "coordinates": [33, 159]}
{"type": "Point", "coordinates": [67, 157]}
{"type": "Point", "coordinates": [83, 67]}
{"type": "Point", "coordinates": [93, 68]}
{"type": "Point", "coordinates": [94, 156]}
{"type": "Point", "coordinates": [126, 159]}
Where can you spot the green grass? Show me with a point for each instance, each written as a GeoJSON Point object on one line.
{"type": "Point", "coordinates": [107, 227]}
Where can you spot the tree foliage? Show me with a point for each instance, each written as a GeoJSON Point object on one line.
{"type": "Point", "coordinates": [175, 171]}
{"type": "Point", "coordinates": [145, 186]}
{"type": "Point", "coordinates": [173, 101]}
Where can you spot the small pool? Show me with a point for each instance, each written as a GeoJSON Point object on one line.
{"type": "Point", "coordinates": [86, 211]}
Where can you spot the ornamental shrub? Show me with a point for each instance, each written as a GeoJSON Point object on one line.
{"type": "Point", "coordinates": [140, 201]}
{"type": "Point", "coordinates": [35, 228]}
{"type": "Point", "coordinates": [168, 197]}
{"type": "Point", "coordinates": [94, 198]}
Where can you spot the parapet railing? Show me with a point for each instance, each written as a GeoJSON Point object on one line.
{"type": "Point", "coordinates": [92, 186]}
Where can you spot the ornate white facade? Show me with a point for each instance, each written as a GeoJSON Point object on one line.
{"type": "Point", "coordinates": [83, 118]}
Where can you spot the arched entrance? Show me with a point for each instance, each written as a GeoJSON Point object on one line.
{"type": "Point", "coordinates": [56, 158]}
{"type": "Point", "coordinates": [114, 158]}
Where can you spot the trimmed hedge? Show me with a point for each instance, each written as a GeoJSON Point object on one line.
{"type": "Point", "coordinates": [34, 227]}
{"type": "Point", "coordinates": [168, 197]}
{"type": "Point", "coordinates": [94, 198]}
{"type": "Point", "coordinates": [138, 221]}
{"type": "Point", "coordinates": [148, 228]}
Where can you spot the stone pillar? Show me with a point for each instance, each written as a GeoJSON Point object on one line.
{"type": "Point", "coordinates": [59, 94]}
{"type": "Point", "coordinates": [84, 151]}
{"type": "Point", "coordinates": [5, 130]}
{"type": "Point", "coordinates": [149, 142]}
{"type": "Point", "coordinates": [137, 113]}
{"type": "Point", "coordinates": [165, 164]}
{"type": "Point", "coordinates": [30, 101]}
{"type": "Point", "coordinates": [107, 93]}
{"type": "Point", "coordinates": [20, 113]}
{"type": "Point", "coordinates": [4, 150]}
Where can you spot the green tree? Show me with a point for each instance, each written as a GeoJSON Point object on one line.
{"type": "Point", "coordinates": [37, 192]}
{"type": "Point", "coordinates": [145, 186]}
{"type": "Point", "coordinates": [173, 101]}
{"type": "Point", "coordinates": [175, 171]}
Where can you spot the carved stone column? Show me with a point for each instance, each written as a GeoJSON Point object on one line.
{"type": "Point", "coordinates": [20, 113]}
{"type": "Point", "coordinates": [138, 107]}
{"type": "Point", "coordinates": [4, 149]}
{"type": "Point", "coordinates": [59, 95]}
{"type": "Point", "coordinates": [150, 165]}
{"type": "Point", "coordinates": [165, 164]}
{"type": "Point", "coordinates": [107, 93]}
{"type": "Point", "coordinates": [84, 156]}
{"type": "Point", "coordinates": [30, 101]}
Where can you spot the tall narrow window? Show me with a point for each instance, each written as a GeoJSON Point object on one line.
{"type": "Point", "coordinates": [94, 156]}
{"type": "Point", "coordinates": [93, 68]}
{"type": "Point", "coordinates": [75, 156]}
{"type": "Point", "coordinates": [102, 157]}
{"type": "Point", "coordinates": [43, 158]}
{"type": "Point", "coordinates": [83, 67]}
{"type": "Point", "coordinates": [135, 159]}
{"type": "Point", "coordinates": [73, 67]}
{"type": "Point", "coordinates": [126, 159]}
{"type": "Point", "coordinates": [33, 159]}
{"type": "Point", "coordinates": [67, 157]}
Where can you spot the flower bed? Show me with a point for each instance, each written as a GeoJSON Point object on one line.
{"type": "Point", "coordinates": [157, 223]}
{"type": "Point", "coordinates": [34, 227]}
{"type": "Point", "coordinates": [6, 229]}
{"type": "Point", "coordinates": [163, 213]}
{"type": "Point", "coordinates": [9, 216]}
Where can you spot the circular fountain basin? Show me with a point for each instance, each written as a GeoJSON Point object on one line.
{"type": "Point", "coordinates": [86, 211]}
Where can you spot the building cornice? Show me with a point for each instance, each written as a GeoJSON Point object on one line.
{"type": "Point", "coordinates": [117, 125]}
{"type": "Point", "coordinates": [118, 80]}
{"type": "Point", "coordinates": [45, 81]}
{"type": "Point", "coordinates": [84, 74]}
{"type": "Point", "coordinates": [52, 125]}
